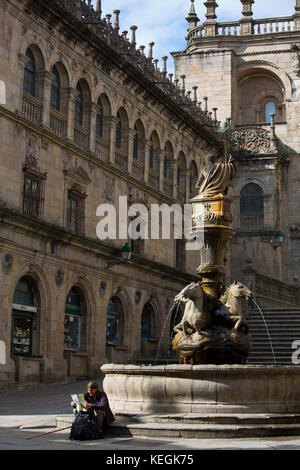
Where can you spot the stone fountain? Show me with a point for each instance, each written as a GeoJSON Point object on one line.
{"type": "Point", "coordinates": [212, 392]}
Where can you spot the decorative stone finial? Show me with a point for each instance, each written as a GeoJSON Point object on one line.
{"type": "Point", "coordinates": [210, 25]}
{"type": "Point", "coordinates": [150, 51]}
{"type": "Point", "coordinates": [211, 6]}
{"type": "Point", "coordinates": [247, 7]}
{"type": "Point", "coordinates": [116, 20]}
{"type": "Point", "coordinates": [98, 8]}
{"type": "Point", "coordinates": [133, 30]}
{"type": "Point", "coordinates": [192, 17]}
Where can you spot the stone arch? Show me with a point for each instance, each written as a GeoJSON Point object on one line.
{"type": "Point", "coordinates": [258, 83]}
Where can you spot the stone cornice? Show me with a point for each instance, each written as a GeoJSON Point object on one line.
{"type": "Point", "coordinates": [42, 229]}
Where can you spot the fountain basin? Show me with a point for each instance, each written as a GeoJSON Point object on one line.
{"type": "Point", "coordinates": [235, 389]}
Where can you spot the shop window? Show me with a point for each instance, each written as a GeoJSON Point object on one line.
{"type": "Point", "coordinates": [24, 319]}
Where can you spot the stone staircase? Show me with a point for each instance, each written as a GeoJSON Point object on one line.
{"type": "Point", "coordinates": [284, 328]}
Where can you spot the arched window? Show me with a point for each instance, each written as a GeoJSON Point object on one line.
{"type": "Point", "coordinates": [148, 327]}
{"type": "Point", "coordinates": [119, 132]}
{"type": "Point", "coordinates": [55, 90]}
{"type": "Point", "coordinates": [115, 321]}
{"type": "Point", "coordinates": [151, 150]}
{"type": "Point", "coordinates": [270, 108]}
{"type": "Point", "coordinates": [136, 144]}
{"type": "Point", "coordinates": [29, 74]}
{"type": "Point", "coordinates": [99, 120]}
{"type": "Point", "coordinates": [79, 105]}
{"type": "Point", "coordinates": [251, 207]}
{"type": "Point", "coordinates": [24, 319]}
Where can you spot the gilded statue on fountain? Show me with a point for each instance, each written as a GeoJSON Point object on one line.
{"type": "Point", "coordinates": [213, 329]}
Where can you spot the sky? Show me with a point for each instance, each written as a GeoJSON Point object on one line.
{"type": "Point", "coordinates": [163, 21]}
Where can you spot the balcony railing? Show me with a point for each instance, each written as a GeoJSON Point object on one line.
{"type": "Point", "coordinates": [251, 223]}
{"type": "Point", "coordinates": [233, 28]}
{"type": "Point", "coordinates": [138, 169]}
{"type": "Point", "coordinates": [101, 149]}
{"type": "Point", "coordinates": [58, 123]}
{"type": "Point", "coordinates": [81, 136]}
{"type": "Point", "coordinates": [32, 108]}
{"type": "Point", "coordinates": [121, 160]}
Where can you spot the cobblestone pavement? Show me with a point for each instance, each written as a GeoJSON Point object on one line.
{"type": "Point", "coordinates": [24, 415]}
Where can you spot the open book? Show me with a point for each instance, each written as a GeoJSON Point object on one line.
{"type": "Point", "coordinates": [79, 399]}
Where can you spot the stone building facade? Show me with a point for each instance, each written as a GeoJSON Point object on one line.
{"type": "Point", "coordinates": [87, 118]}
{"type": "Point", "coordinates": [248, 73]}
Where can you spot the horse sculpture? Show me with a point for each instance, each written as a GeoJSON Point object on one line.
{"type": "Point", "coordinates": [232, 300]}
{"type": "Point", "coordinates": [195, 317]}
{"type": "Point", "coordinates": [212, 332]}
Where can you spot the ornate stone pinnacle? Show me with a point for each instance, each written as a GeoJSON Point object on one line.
{"type": "Point", "coordinates": [98, 8]}
{"type": "Point", "coordinates": [247, 7]}
{"type": "Point", "coordinates": [211, 6]}
{"type": "Point", "coordinates": [192, 17]}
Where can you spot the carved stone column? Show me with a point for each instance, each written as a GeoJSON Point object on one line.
{"type": "Point", "coordinates": [187, 186]}
{"type": "Point", "coordinates": [112, 124]}
{"type": "Point", "coordinates": [23, 59]}
{"type": "Point", "coordinates": [246, 22]}
{"type": "Point", "coordinates": [161, 170]}
{"type": "Point", "coordinates": [130, 136]}
{"type": "Point", "coordinates": [212, 227]}
{"type": "Point", "coordinates": [175, 164]}
{"type": "Point", "coordinates": [146, 168]}
{"type": "Point", "coordinates": [93, 109]}
{"type": "Point", "coordinates": [69, 96]}
{"type": "Point", "coordinates": [43, 80]}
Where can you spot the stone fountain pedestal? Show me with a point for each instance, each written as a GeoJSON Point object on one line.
{"type": "Point", "coordinates": [204, 400]}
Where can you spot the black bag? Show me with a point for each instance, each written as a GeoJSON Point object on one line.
{"type": "Point", "coordinates": [84, 427]}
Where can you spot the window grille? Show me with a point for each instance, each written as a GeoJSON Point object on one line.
{"type": "Point", "coordinates": [55, 90]}
{"type": "Point", "coordinates": [76, 211]}
{"type": "Point", "coordinates": [29, 74]}
{"type": "Point", "coordinates": [33, 193]}
{"type": "Point", "coordinates": [251, 207]}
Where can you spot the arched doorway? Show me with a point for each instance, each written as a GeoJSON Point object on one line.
{"type": "Point", "coordinates": [114, 327]}
{"type": "Point", "coordinates": [148, 332]}
{"type": "Point", "coordinates": [75, 333]}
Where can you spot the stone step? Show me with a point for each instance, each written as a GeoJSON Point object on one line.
{"type": "Point", "coordinates": [198, 425]}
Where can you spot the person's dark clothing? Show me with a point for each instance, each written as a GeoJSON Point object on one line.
{"type": "Point", "coordinates": [100, 402]}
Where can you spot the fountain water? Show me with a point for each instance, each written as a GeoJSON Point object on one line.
{"type": "Point", "coordinates": [267, 330]}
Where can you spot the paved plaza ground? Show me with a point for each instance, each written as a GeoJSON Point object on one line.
{"type": "Point", "coordinates": [24, 414]}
